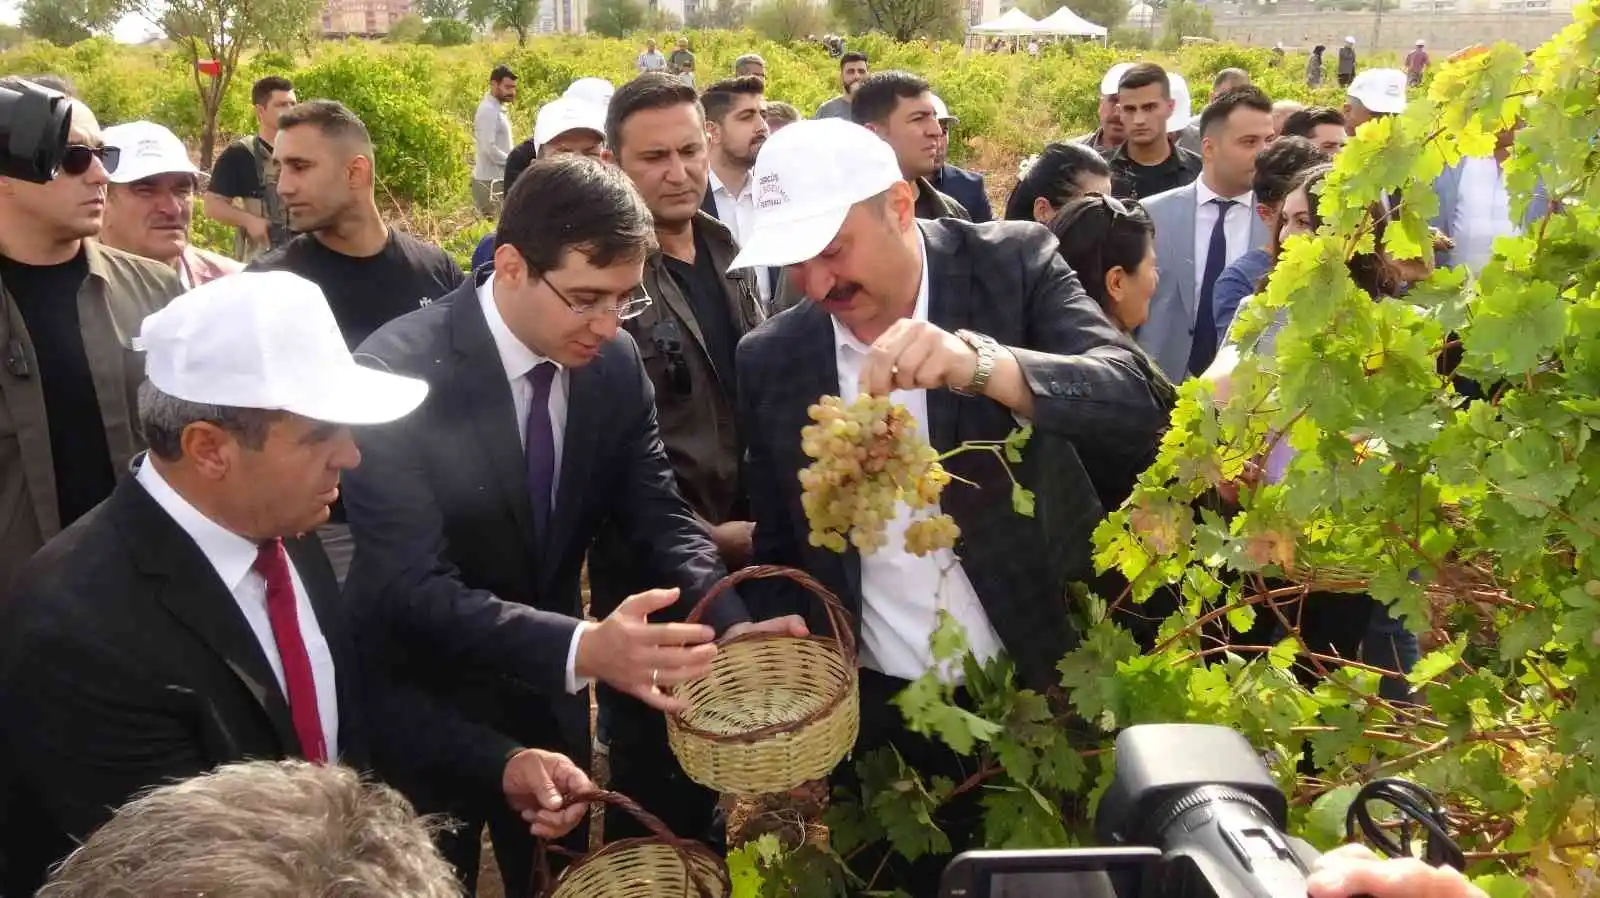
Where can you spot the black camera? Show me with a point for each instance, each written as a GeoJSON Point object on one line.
{"type": "Point", "coordinates": [1194, 814]}
{"type": "Point", "coordinates": [34, 124]}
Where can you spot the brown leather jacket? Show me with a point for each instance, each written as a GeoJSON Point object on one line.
{"type": "Point", "coordinates": [693, 407]}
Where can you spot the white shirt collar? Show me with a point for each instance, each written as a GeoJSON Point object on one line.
{"type": "Point", "coordinates": [1204, 194]}
{"type": "Point", "coordinates": [515, 355]}
{"type": "Point", "coordinates": [229, 553]}
{"type": "Point", "coordinates": [843, 339]}
{"type": "Point", "coordinates": [715, 183]}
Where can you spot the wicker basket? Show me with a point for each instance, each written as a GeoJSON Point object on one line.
{"type": "Point", "coordinates": [657, 866]}
{"type": "Point", "coordinates": [776, 711]}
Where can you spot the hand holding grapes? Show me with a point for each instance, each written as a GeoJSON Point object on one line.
{"type": "Point", "coordinates": [917, 355]}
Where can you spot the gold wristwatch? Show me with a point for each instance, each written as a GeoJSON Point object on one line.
{"type": "Point", "coordinates": [987, 349]}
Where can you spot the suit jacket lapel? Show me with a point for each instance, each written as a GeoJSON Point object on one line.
{"type": "Point", "coordinates": [188, 586]}
{"type": "Point", "coordinates": [480, 383]}
{"type": "Point", "coordinates": [949, 307]}
{"type": "Point", "coordinates": [818, 369]}
{"type": "Point", "coordinates": [585, 396]}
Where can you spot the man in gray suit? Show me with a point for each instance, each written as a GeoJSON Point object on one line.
{"type": "Point", "coordinates": [1201, 228]}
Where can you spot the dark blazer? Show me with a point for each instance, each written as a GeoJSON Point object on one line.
{"type": "Point", "coordinates": [1091, 386]}
{"type": "Point", "coordinates": [454, 588]}
{"type": "Point", "coordinates": [125, 663]}
{"type": "Point", "coordinates": [966, 188]}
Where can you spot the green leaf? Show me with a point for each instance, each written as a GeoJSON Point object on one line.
{"type": "Point", "coordinates": [1434, 664]}
{"type": "Point", "coordinates": [1326, 819]}
{"type": "Point", "coordinates": [1016, 441]}
{"type": "Point", "coordinates": [1021, 500]}
{"type": "Point", "coordinates": [1502, 885]}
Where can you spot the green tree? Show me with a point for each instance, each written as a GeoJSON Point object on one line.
{"type": "Point", "coordinates": [1185, 18]}
{"type": "Point", "coordinates": [226, 30]}
{"type": "Point", "coordinates": [65, 22]}
{"type": "Point", "coordinates": [728, 15]}
{"type": "Point", "coordinates": [616, 18]}
{"type": "Point", "coordinates": [657, 21]}
{"type": "Point", "coordinates": [407, 30]}
{"type": "Point", "coordinates": [516, 15]}
{"type": "Point", "coordinates": [788, 20]}
{"type": "Point", "coordinates": [443, 9]}
{"type": "Point", "coordinates": [903, 20]}
{"type": "Point", "coordinates": [446, 33]}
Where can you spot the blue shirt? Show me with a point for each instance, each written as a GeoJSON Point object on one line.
{"type": "Point", "coordinates": [484, 254]}
{"type": "Point", "coordinates": [1235, 283]}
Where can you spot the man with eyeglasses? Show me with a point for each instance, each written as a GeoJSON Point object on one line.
{"type": "Point", "coordinates": [66, 379]}
{"type": "Point", "coordinates": [150, 203]}
{"type": "Point", "coordinates": [473, 516]}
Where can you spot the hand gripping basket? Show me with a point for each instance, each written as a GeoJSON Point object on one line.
{"type": "Point", "coordinates": [776, 710]}
{"type": "Point", "coordinates": [660, 865]}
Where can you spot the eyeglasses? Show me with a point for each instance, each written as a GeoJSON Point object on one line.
{"type": "Point", "coordinates": [632, 308]}
{"type": "Point", "coordinates": [77, 159]}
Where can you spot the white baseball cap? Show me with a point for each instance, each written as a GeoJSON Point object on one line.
{"type": "Point", "coordinates": [267, 340]}
{"type": "Point", "coordinates": [806, 178]}
{"type": "Point", "coordinates": [1113, 78]}
{"type": "Point", "coordinates": [559, 116]}
{"type": "Point", "coordinates": [1182, 103]}
{"type": "Point", "coordinates": [597, 91]}
{"type": "Point", "coordinates": [1350, 39]}
{"type": "Point", "coordinates": [1380, 90]}
{"type": "Point", "coordinates": [1420, 42]}
{"type": "Point", "coordinates": [941, 112]}
{"type": "Point", "coordinates": [148, 149]}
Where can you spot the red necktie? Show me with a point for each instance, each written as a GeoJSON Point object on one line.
{"type": "Point", "coordinates": [273, 566]}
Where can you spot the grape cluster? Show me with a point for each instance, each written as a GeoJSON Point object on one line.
{"type": "Point", "coordinates": [867, 459]}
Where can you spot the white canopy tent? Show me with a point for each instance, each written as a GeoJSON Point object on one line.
{"type": "Point", "coordinates": [1013, 22]}
{"type": "Point", "coordinates": [1066, 22]}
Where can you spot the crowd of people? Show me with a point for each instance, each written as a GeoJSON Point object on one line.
{"type": "Point", "coordinates": [328, 503]}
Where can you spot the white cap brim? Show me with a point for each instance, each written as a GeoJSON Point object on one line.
{"type": "Point", "coordinates": [790, 241]}
{"type": "Point", "coordinates": [360, 396]}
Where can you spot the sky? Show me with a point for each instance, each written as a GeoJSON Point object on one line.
{"type": "Point", "coordinates": [131, 29]}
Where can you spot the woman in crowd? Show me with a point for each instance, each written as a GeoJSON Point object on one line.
{"type": "Point", "coordinates": [1314, 66]}
{"type": "Point", "coordinates": [1061, 173]}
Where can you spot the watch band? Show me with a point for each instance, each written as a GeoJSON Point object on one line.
{"type": "Point", "coordinates": [987, 350]}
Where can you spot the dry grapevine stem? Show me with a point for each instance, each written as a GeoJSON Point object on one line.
{"type": "Point", "coordinates": [867, 458]}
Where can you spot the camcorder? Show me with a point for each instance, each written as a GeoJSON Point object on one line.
{"type": "Point", "coordinates": [1192, 813]}
{"type": "Point", "coordinates": [34, 124]}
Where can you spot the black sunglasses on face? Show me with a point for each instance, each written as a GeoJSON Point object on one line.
{"type": "Point", "coordinates": [77, 159]}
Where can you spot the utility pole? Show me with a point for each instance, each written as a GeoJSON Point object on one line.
{"type": "Point", "coordinates": [1377, 27]}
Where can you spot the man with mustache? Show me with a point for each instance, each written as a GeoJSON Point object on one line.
{"type": "Point", "coordinates": [150, 203]}
{"type": "Point", "coordinates": [899, 107]}
{"type": "Point", "coordinates": [657, 133]}
{"type": "Point", "coordinates": [66, 379]}
{"type": "Point", "coordinates": [735, 131]}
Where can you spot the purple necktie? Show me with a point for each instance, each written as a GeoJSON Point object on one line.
{"type": "Point", "coordinates": [541, 449]}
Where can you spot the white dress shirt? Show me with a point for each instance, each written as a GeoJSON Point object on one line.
{"type": "Point", "coordinates": [1236, 231]}
{"type": "Point", "coordinates": [1483, 212]}
{"type": "Point", "coordinates": [491, 131]}
{"type": "Point", "coordinates": [517, 360]}
{"type": "Point", "coordinates": [234, 557]}
{"type": "Point", "coordinates": [901, 593]}
{"type": "Point", "coordinates": [738, 212]}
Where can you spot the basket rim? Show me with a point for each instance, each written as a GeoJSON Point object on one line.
{"type": "Point", "coordinates": [684, 849]}
{"type": "Point", "coordinates": [832, 704]}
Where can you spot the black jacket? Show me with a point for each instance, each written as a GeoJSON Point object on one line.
{"type": "Point", "coordinates": [125, 663]}
{"type": "Point", "coordinates": [1091, 387]}
{"type": "Point", "coordinates": [966, 188]}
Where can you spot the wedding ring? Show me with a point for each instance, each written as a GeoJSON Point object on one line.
{"type": "Point", "coordinates": [653, 675]}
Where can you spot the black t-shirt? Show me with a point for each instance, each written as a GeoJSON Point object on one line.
{"type": "Point", "coordinates": [234, 174]}
{"type": "Point", "coordinates": [47, 298]}
{"type": "Point", "coordinates": [366, 293]}
{"type": "Point", "coordinates": [702, 284]}
{"type": "Point", "coordinates": [1130, 180]}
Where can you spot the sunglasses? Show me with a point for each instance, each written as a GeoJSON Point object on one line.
{"type": "Point", "coordinates": [77, 159]}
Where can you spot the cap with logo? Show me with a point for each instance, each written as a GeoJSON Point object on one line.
{"type": "Point", "coordinates": [806, 178]}
{"type": "Point", "coordinates": [597, 91]}
{"type": "Point", "coordinates": [148, 149]}
{"type": "Point", "coordinates": [559, 116]}
{"type": "Point", "coordinates": [941, 112]}
{"type": "Point", "coordinates": [268, 340]}
{"type": "Point", "coordinates": [1182, 103]}
{"type": "Point", "coordinates": [1113, 78]}
{"type": "Point", "coordinates": [1382, 91]}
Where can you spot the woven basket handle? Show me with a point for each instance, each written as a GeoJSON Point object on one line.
{"type": "Point", "coordinates": [541, 861]}
{"type": "Point", "coordinates": [838, 618]}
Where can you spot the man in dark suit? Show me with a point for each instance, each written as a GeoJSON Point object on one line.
{"type": "Point", "coordinates": [965, 187]}
{"type": "Point", "coordinates": [974, 329]}
{"type": "Point", "coordinates": [473, 516]}
{"type": "Point", "coordinates": [183, 624]}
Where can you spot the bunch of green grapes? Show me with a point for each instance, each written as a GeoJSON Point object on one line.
{"type": "Point", "coordinates": [868, 459]}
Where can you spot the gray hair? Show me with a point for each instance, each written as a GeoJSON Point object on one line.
{"type": "Point", "coordinates": [162, 419]}
{"type": "Point", "coordinates": [261, 829]}
{"type": "Point", "coordinates": [746, 59]}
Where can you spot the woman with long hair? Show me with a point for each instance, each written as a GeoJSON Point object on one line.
{"type": "Point", "coordinates": [1061, 173]}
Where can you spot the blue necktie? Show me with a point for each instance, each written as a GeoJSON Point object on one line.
{"type": "Point", "coordinates": [541, 448]}
{"type": "Point", "coordinates": [1204, 347]}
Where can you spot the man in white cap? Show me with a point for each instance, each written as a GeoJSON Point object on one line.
{"type": "Point", "coordinates": [150, 203]}
{"type": "Point", "coordinates": [974, 329]}
{"type": "Point", "coordinates": [1374, 93]}
{"type": "Point", "coordinates": [568, 124]}
{"type": "Point", "coordinates": [1416, 63]}
{"type": "Point", "coordinates": [189, 620]}
{"type": "Point", "coordinates": [591, 90]}
{"type": "Point", "coordinates": [1347, 62]}
{"type": "Point", "coordinates": [1110, 134]}
{"type": "Point", "coordinates": [965, 187]}
{"type": "Point", "coordinates": [1154, 106]}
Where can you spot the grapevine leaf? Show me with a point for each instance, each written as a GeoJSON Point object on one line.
{"type": "Point", "coordinates": [1016, 441]}
{"type": "Point", "coordinates": [1502, 885]}
{"type": "Point", "coordinates": [949, 640]}
{"type": "Point", "coordinates": [1434, 664]}
{"type": "Point", "coordinates": [1022, 500]}
{"type": "Point", "coordinates": [744, 871]}
{"type": "Point", "coordinates": [1326, 819]}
